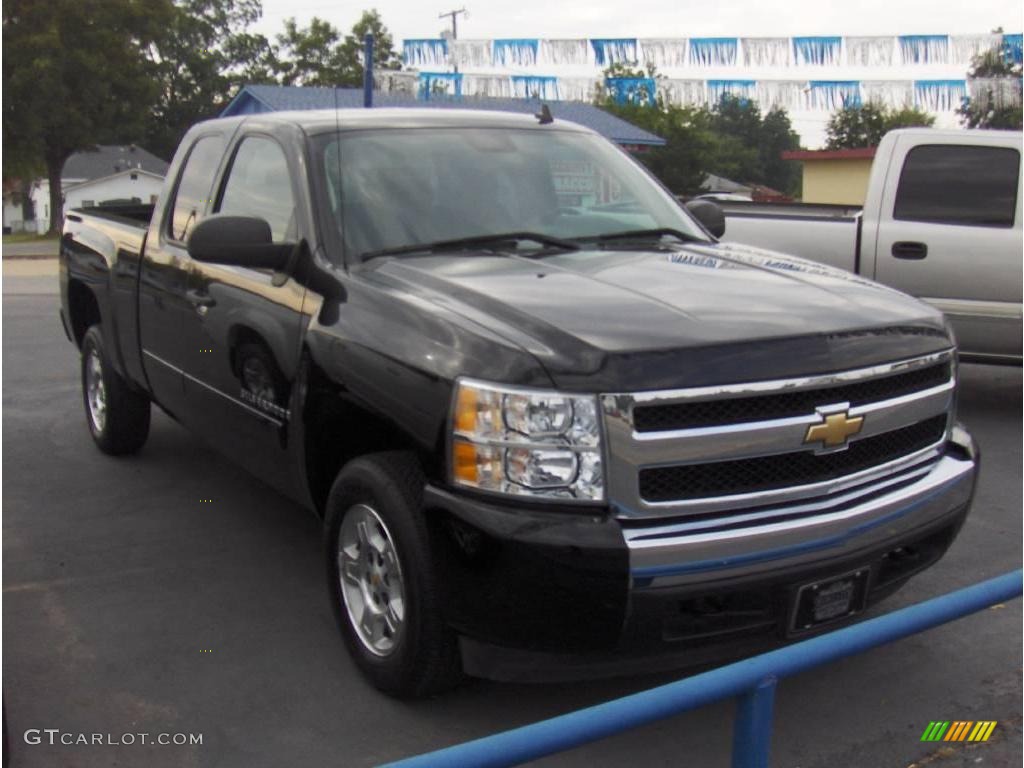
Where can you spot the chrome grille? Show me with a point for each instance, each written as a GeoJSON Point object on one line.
{"type": "Point", "coordinates": [716, 450]}
{"type": "Point", "coordinates": [738, 410]}
{"type": "Point", "coordinates": [782, 470]}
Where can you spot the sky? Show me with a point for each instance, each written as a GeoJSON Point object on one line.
{"type": "Point", "coordinates": [662, 18]}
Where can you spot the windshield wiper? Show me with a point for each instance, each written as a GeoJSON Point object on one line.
{"type": "Point", "coordinates": [643, 234]}
{"type": "Point", "coordinates": [481, 241]}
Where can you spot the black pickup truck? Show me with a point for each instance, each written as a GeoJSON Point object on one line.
{"type": "Point", "coordinates": [553, 427]}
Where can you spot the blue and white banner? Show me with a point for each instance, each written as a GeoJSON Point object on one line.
{"type": "Point", "coordinates": [472, 54]}
{"type": "Point", "coordinates": [817, 51]}
{"type": "Point", "coordinates": [543, 87]}
{"type": "Point", "coordinates": [924, 49]}
{"type": "Point", "coordinates": [939, 95]}
{"type": "Point", "coordinates": [429, 53]}
{"type": "Point", "coordinates": [830, 95]}
{"type": "Point", "coordinates": [515, 52]}
{"type": "Point", "coordinates": [740, 89]}
{"type": "Point", "coordinates": [713, 51]}
{"type": "Point", "coordinates": [614, 51]}
{"type": "Point", "coordinates": [434, 85]}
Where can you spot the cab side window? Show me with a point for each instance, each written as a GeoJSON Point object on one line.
{"type": "Point", "coordinates": [946, 184]}
{"type": "Point", "coordinates": [259, 185]}
{"type": "Point", "coordinates": [194, 185]}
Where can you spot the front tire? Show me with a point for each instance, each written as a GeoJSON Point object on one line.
{"type": "Point", "coordinates": [117, 415]}
{"type": "Point", "coordinates": [382, 577]}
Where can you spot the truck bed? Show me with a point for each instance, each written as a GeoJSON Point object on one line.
{"type": "Point", "coordinates": [824, 233]}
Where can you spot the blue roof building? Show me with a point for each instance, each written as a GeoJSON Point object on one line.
{"type": "Point", "coordinates": [254, 99]}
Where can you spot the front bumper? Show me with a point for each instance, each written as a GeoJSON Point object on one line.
{"type": "Point", "coordinates": [558, 595]}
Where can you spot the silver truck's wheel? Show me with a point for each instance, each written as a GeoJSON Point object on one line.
{"type": "Point", "coordinates": [95, 391]}
{"type": "Point", "coordinates": [117, 415]}
{"type": "Point", "coordinates": [371, 579]}
{"type": "Point", "coordinates": [383, 577]}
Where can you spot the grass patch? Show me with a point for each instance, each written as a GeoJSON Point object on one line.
{"type": "Point", "coordinates": [29, 237]}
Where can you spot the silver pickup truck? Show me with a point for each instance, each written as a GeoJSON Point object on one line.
{"type": "Point", "coordinates": [941, 221]}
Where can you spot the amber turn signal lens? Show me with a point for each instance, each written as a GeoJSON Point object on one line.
{"type": "Point", "coordinates": [465, 411]}
{"type": "Point", "coordinates": [465, 462]}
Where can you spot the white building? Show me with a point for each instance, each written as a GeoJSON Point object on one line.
{"type": "Point", "coordinates": [106, 174]}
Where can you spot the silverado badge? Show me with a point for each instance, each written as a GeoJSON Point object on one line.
{"type": "Point", "coordinates": [835, 430]}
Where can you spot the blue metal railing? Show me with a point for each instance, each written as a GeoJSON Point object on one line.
{"type": "Point", "coordinates": [752, 680]}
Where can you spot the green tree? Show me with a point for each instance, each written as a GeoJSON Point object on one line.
{"type": "Point", "coordinates": [200, 58]}
{"type": "Point", "coordinates": [318, 55]}
{"type": "Point", "coordinates": [308, 55]}
{"type": "Point", "coordinates": [991, 107]}
{"type": "Point", "coordinates": [75, 74]}
{"type": "Point", "coordinates": [351, 54]}
{"type": "Point", "coordinates": [864, 125]}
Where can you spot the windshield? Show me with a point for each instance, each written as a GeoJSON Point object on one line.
{"type": "Point", "coordinates": [391, 189]}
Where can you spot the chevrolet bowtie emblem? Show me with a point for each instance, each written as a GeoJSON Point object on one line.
{"type": "Point", "coordinates": [835, 431]}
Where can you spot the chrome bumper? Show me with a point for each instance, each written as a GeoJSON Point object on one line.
{"type": "Point", "coordinates": [678, 554]}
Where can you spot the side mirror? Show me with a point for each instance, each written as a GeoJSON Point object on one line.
{"type": "Point", "coordinates": [241, 241]}
{"type": "Point", "coordinates": [710, 214]}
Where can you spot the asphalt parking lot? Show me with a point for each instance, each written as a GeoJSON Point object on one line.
{"type": "Point", "coordinates": [129, 606]}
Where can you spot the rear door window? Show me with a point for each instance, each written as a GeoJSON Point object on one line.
{"type": "Point", "coordinates": [194, 185]}
{"type": "Point", "coordinates": [969, 186]}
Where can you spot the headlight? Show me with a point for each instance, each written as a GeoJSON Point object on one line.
{"type": "Point", "coordinates": [526, 442]}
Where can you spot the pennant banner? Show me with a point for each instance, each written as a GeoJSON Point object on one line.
{"type": "Point", "coordinates": [830, 95]}
{"type": "Point", "coordinates": [683, 93]}
{"type": "Point", "coordinates": [894, 94]}
{"type": "Point", "coordinates": [963, 48]}
{"type": "Point", "coordinates": [664, 53]}
{"type": "Point", "coordinates": [430, 53]}
{"type": "Point", "coordinates": [995, 92]}
{"type": "Point", "coordinates": [870, 51]}
{"type": "Point", "coordinates": [765, 51]}
{"type": "Point", "coordinates": [817, 51]}
{"type": "Point", "coordinates": [939, 95]}
{"type": "Point", "coordinates": [713, 51]}
{"type": "Point", "coordinates": [577, 88]}
{"type": "Point", "coordinates": [542, 87]}
{"type": "Point", "coordinates": [475, 54]}
{"type": "Point", "coordinates": [440, 84]}
{"type": "Point", "coordinates": [924, 49]}
{"type": "Point", "coordinates": [781, 94]}
{"type": "Point", "coordinates": [492, 86]}
{"type": "Point", "coordinates": [614, 51]}
{"type": "Point", "coordinates": [564, 52]}
{"type": "Point", "coordinates": [515, 53]}
{"type": "Point", "coordinates": [741, 89]}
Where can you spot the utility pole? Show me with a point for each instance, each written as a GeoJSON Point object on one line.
{"type": "Point", "coordinates": [454, 15]}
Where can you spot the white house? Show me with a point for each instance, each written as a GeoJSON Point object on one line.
{"type": "Point", "coordinates": [102, 175]}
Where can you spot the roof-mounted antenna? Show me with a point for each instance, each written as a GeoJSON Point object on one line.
{"type": "Point", "coordinates": [544, 116]}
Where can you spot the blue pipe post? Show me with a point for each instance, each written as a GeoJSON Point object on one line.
{"type": "Point", "coordinates": [752, 731]}
{"type": "Point", "coordinates": [368, 70]}
{"type": "Point", "coordinates": [556, 734]}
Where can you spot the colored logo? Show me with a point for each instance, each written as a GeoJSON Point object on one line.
{"type": "Point", "coordinates": [835, 430]}
{"type": "Point", "coordinates": [958, 730]}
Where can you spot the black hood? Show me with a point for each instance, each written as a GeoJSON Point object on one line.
{"type": "Point", "coordinates": [624, 319]}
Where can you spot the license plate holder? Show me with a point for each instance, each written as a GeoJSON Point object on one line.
{"type": "Point", "coordinates": [832, 599]}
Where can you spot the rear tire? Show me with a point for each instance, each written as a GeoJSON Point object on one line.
{"type": "Point", "coordinates": [383, 580]}
{"type": "Point", "coordinates": [117, 415]}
